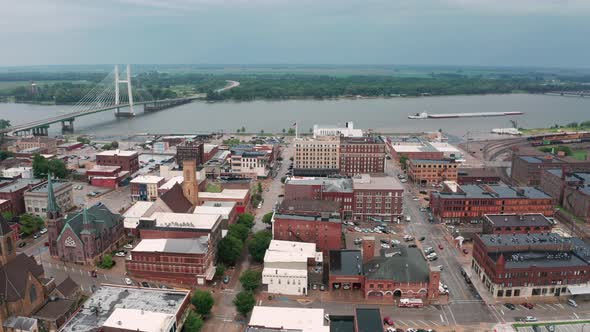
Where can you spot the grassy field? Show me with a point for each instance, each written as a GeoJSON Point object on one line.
{"type": "Point", "coordinates": [14, 84]}
{"type": "Point", "coordinates": [579, 154]}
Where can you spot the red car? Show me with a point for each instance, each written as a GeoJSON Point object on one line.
{"type": "Point", "coordinates": [528, 305]}
{"type": "Point", "coordinates": [387, 320]}
{"type": "Point", "coordinates": [440, 246]}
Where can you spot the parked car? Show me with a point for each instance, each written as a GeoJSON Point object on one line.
{"type": "Point", "coordinates": [226, 279]}
{"type": "Point", "coordinates": [120, 254]}
{"type": "Point", "coordinates": [128, 281]}
{"type": "Point", "coordinates": [22, 244]}
{"type": "Point", "coordinates": [440, 246]}
{"type": "Point", "coordinates": [145, 284]}
{"type": "Point", "coordinates": [322, 288]}
{"type": "Point", "coordinates": [388, 321]}
{"type": "Point", "coordinates": [36, 236]}
{"type": "Point", "coordinates": [413, 245]}
{"type": "Point", "coordinates": [358, 241]}
{"type": "Point", "coordinates": [428, 250]}
{"type": "Point", "coordinates": [572, 303]}
{"type": "Point", "coordinates": [528, 305]}
{"type": "Point", "coordinates": [43, 231]}
{"type": "Point", "coordinates": [93, 274]}
{"type": "Point", "coordinates": [510, 306]}
{"type": "Point", "coordinates": [422, 239]}
{"type": "Point", "coordinates": [128, 246]}
{"type": "Point", "coordinates": [408, 238]}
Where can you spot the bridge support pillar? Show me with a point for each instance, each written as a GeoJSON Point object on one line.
{"type": "Point", "coordinates": [67, 126]}
{"type": "Point", "coordinates": [41, 131]}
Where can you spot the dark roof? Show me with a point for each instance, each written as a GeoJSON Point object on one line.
{"type": "Point", "coordinates": [341, 323]}
{"type": "Point", "coordinates": [14, 276]}
{"type": "Point", "coordinates": [289, 206]}
{"type": "Point", "coordinates": [514, 220]}
{"type": "Point", "coordinates": [4, 226]}
{"type": "Point", "coordinates": [408, 266]}
{"type": "Point", "coordinates": [20, 323]}
{"type": "Point", "coordinates": [308, 218]}
{"type": "Point", "coordinates": [346, 262]}
{"type": "Point", "coordinates": [67, 287]}
{"type": "Point", "coordinates": [478, 191]}
{"type": "Point", "coordinates": [368, 320]}
{"type": "Point", "coordinates": [477, 172]}
{"type": "Point", "coordinates": [98, 216]}
{"type": "Point", "coordinates": [54, 310]}
{"type": "Point", "coordinates": [175, 200]}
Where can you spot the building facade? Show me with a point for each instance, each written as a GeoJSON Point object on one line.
{"type": "Point", "coordinates": [36, 197]}
{"type": "Point", "coordinates": [431, 171]}
{"type": "Point", "coordinates": [377, 198]}
{"type": "Point", "coordinates": [526, 169]}
{"type": "Point", "coordinates": [145, 187]}
{"type": "Point", "coordinates": [190, 150]}
{"type": "Point", "coordinates": [47, 144]}
{"type": "Point", "coordinates": [516, 224]}
{"type": "Point", "coordinates": [362, 155]}
{"type": "Point", "coordinates": [14, 192]}
{"type": "Point", "coordinates": [326, 232]}
{"type": "Point", "coordinates": [127, 160]}
{"type": "Point", "coordinates": [530, 265]}
{"type": "Point", "coordinates": [250, 164]}
{"type": "Point", "coordinates": [469, 203]}
{"type": "Point", "coordinates": [346, 131]}
{"type": "Point", "coordinates": [317, 157]}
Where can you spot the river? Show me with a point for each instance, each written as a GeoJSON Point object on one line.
{"type": "Point", "coordinates": [384, 115]}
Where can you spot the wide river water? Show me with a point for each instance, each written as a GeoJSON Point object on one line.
{"type": "Point", "coordinates": [384, 115]}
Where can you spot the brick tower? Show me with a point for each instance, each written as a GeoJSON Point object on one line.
{"type": "Point", "coordinates": [190, 186]}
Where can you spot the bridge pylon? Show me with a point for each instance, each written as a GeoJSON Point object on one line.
{"type": "Point", "coordinates": [127, 81]}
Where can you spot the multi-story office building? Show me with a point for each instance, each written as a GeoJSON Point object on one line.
{"type": "Point", "coordinates": [127, 160]}
{"type": "Point", "coordinates": [431, 171]}
{"type": "Point", "coordinates": [362, 155]}
{"type": "Point", "coordinates": [317, 157]}
{"type": "Point", "coordinates": [190, 150]}
{"type": "Point", "coordinates": [377, 198]}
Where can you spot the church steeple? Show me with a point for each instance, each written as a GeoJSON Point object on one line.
{"type": "Point", "coordinates": [53, 210]}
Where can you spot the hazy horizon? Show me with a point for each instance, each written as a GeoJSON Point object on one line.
{"type": "Point", "coordinates": [468, 33]}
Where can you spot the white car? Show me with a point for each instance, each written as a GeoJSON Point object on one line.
{"type": "Point", "coordinates": [408, 238]}
{"type": "Point", "coordinates": [128, 246]}
{"type": "Point", "coordinates": [385, 246]}
{"type": "Point", "coordinates": [43, 231]}
{"type": "Point", "coordinates": [395, 242]}
{"type": "Point", "coordinates": [120, 254]}
{"type": "Point", "coordinates": [128, 281]}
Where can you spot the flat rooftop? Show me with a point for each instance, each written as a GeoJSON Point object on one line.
{"type": "Point", "coordinates": [57, 185]}
{"type": "Point", "coordinates": [106, 299]}
{"type": "Point", "coordinates": [185, 220]}
{"type": "Point", "coordinates": [18, 185]}
{"type": "Point", "coordinates": [407, 266]}
{"type": "Point", "coordinates": [122, 153]}
{"type": "Point", "coordinates": [139, 320]}
{"type": "Point", "coordinates": [148, 179]}
{"type": "Point", "coordinates": [307, 218]}
{"type": "Point", "coordinates": [516, 220]}
{"type": "Point", "coordinates": [368, 319]}
{"type": "Point", "coordinates": [170, 183]}
{"type": "Point", "coordinates": [313, 205]}
{"type": "Point", "coordinates": [225, 194]}
{"type": "Point", "coordinates": [490, 191]}
{"type": "Point", "coordinates": [329, 184]}
{"type": "Point", "coordinates": [178, 246]}
{"type": "Point", "coordinates": [367, 182]}
{"type": "Point", "coordinates": [432, 161]}
{"type": "Point", "coordinates": [287, 319]}
{"type": "Point", "coordinates": [224, 211]}
{"type": "Point", "coordinates": [346, 262]}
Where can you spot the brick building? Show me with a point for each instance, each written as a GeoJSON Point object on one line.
{"type": "Point", "coordinates": [127, 160]}
{"type": "Point", "coordinates": [190, 150]}
{"type": "Point", "coordinates": [324, 231]}
{"type": "Point", "coordinates": [106, 176]}
{"type": "Point", "coordinates": [362, 155]}
{"type": "Point", "coordinates": [526, 169]}
{"type": "Point", "coordinates": [47, 144]}
{"type": "Point", "coordinates": [406, 274]}
{"type": "Point", "coordinates": [239, 196]}
{"type": "Point", "coordinates": [310, 207]}
{"type": "Point", "coordinates": [532, 223]}
{"type": "Point", "coordinates": [209, 150]}
{"type": "Point", "coordinates": [145, 187]}
{"type": "Point", "coordinates": [412, 148]}
{"type": "Point", "coordinates": [317, 157]}
{"type": "Point", "coordinates": [328, 189]}
{"type": "Point", "coordinates": [377, 198]}
{"type": "Point", "coordinates": [531, 265]}
{"type": "Point", "coordinates": [14, 192]}
{"type": "Point", "coordinates": [164, 225]}
{"type": "Point", "coordinates": [431, 171]}
{"type": "Point", "coordinates": [571, 190]}
{"type": "Point", "coordinates": [488, 175]}
{"type": "Point", "coordinates": [36, 197]}
{"type": "Point", "coordinates": [469, 203]}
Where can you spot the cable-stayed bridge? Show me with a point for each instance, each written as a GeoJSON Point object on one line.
{"type": "Point", "coordinates": [106, 95]}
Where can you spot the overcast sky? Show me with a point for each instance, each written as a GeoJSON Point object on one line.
{"type": "Point", "coordinates": [448, 32]}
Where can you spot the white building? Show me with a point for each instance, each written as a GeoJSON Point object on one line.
{"type": "Point", "coordinates": [347, 131]}
{"type": "Point", "coordinates": [288, 319]}
{"type": "Point", "coordinates": [24, 172]}
{"type": "Point", "coordinates": [147, 187]}
{"type": "Point", "coordinates": [133, 215]}
{"type": "Point", "coordinates": [286, 264]}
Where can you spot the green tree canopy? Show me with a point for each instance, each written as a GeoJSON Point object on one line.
{"type": "Point", "coordinates": [246, 219]}
{"type": "Point", "coordinates": [203, 302]}
{"type": "Point", "coordinates": [193, 323]}
{"type": "Point", "coordinates": [403, 160]}
{"type": "Point", "coordinates": [5, 155]}
{"type": "Point", "coordinates": [30, 223]}
{"type": "Point", "coordinates": [267, 218]}
{"type": "Point", "coordinates": [107, 261]}
{"type": "Point", "coordinates": [42, 166]}
{"type": "Point", "coordinates": [244, 302]}
{"type": "Point", "coordinates": [240, 231]}
{"type": "Point", "coordinates": [4, 123]}
{"type": "Point", "coordinates": [229, 250]}
{"type": "Point", "coordinates": [260, 187]}
{"type": "Point", "coordinates": [258, 244]}
{"type": "Point", "coordinates": [250, 279]}
{"type": "Point", "coordinates": [220, 270]}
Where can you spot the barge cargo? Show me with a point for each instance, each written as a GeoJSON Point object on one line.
{"type": "Point", "coordinates": [425, 115]}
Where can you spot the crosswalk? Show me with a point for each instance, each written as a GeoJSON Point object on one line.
{"type": "Point", "coordinates": [544, 306]}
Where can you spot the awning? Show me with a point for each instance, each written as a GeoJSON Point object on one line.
{"type": "Point", "coordinates": [579, 289]}
{"type": "Point", "coordinates": [210, 273]}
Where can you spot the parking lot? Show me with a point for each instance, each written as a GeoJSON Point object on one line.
{"type": "Point", "coordinates": [581, 327]}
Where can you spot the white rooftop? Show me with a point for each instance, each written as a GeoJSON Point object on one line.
{"type": "Point", "coordinates": [305, 248]}
{"type": "Point", "coordinates": [226, 194]}
{"type": "Point", "coordinates": [444, 147]}
{"type": "Point", "coordinates": [124, 153]}
{"type": "Point", "coordinates": [209, 147]}
{"type": "Point", "coordinates": [181, 246]}
{"type": "Point", "coordinates": [139, 320]}
{"type": "Point", "coordinates": [304, 319]}
{"type": "Point", "coordinates": [149, 179]}
{"type": "Point", "coordinates": [136, 211]}
{"type": "Point", "coordinates": [186, 220]}
{"type": "Point", "coordinates": [170, 183]}
{"type": "Point", "coordinates": [224, 211]}
{"type": "Point", "coordinates": [365, 181]}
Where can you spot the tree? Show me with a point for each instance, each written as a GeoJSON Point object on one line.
{"type": "Point", "coordinates": [5, 155]}
{"type": "Point", "coordinates": [250, 279]}
{"type": "Point", "coordinates": [258, 245]}
{"type": "Point", "coordinates": [246, 219]}
{"type": "Point", "coordinates": [238, 130]}
{"type": "Point", "coordinates": [42, 166]}
{"type": "Point", "coordinates": [114, 144]}
{"type": "Point", "coordinates": [267, 218]}
{"type": "Point", "coordinates": [229, 250]}
{"type": "Point", "coordinates": [30, 223]}
{"type": "Point", "coordinates": [403, 160]}
{"type": "Point", "coordinates": [260, 187]}
{"type": "Point", "coordinates": [220, 270]}
{"type": "Point", "coordinates": [240, 231]}
{"type": "Point", "coordinates": [284, 131]}
{"type": "Point", "coordinates": [262, 131]}
{"type": "Point", "coordinates": [4, 123]}
{"type": "Point", "coordinates": [107, 262]}
{"type": "Point", "coordinates": [193, 323]}
{"type": "Point", "coordinates": [203, 302]}
{"type": "Point", "coordinates": [83, 140]}
{"type": "Point", "coordinates": [243, 129]}
{"type": "Point", "coordinates": [255, 199]}
{"type": "Point", "coordinates": [244, 302]}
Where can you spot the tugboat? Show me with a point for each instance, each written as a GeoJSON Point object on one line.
{"type": "Point", "coordinates": [422, 115]}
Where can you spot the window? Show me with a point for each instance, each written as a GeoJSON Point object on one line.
{"type": "Point", "coordinates": [33, 293]}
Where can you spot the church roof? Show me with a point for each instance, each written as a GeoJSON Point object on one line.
{"type": "Point", "coordinates": [98, 216]}
{"type": "Point", "coordinates": [14, 276]}
{"type": "Point", "coordinates": [67, 287]}
{"type": "Point", "coordinates": [175, 200]}
{"type": "Point", "coordinates": [4, 227]}
{"type": "Point", "coordinates": [51, 201]}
